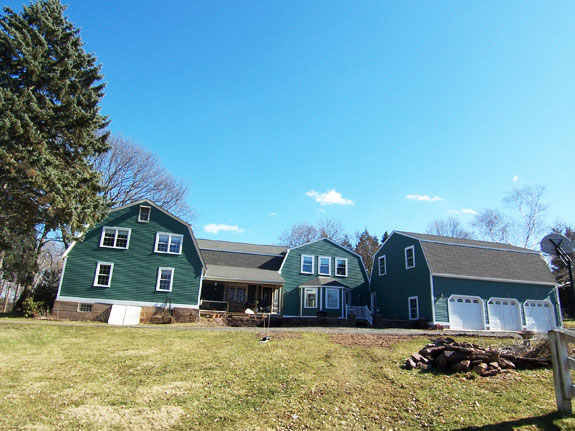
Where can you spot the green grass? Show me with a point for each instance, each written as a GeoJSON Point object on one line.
{"type": "Point", "coordinates": [104, 378]}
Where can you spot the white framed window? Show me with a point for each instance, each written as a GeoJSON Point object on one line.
{"type": "Point", "coordinates": [306, 264]}
{"type": "Point", "coordinates": [409, 257]}
{"type": "Point", "coordinates": [324, 265]}
{"type": "Point", "coordinates": [310, 297]}
{"type": "Point", "coordinates": [165, 279]}
{"type": "Point", "coordinates": [144, 215]}
{"type": "Point", "coordinates": [103, 277]}
{"type": "Point", "coordinates": [382, 265]}
{"type": "Point", "coordinates": [413, 307]}
{"type": "Point", "coordinates": [341, 267]}
{"type": "Point", "coordinates": [170, 243]}
{"type": "Point", "coordinates": [331, 298]}
{"type": "Point", "coordinates": [115, 237]}
{"type": "Point", "coordinates": [85, 308]}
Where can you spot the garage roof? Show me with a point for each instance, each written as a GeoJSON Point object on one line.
{"type": "Point", "coordinates": [480, 259]}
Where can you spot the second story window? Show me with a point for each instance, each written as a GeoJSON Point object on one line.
{"type": "Point", "coordinates": [103, 277]}
{"type": "Point", "coordinates": [306, 264]}
{"type": "Point", "coordinates": [324, 265]}
{"type": "Point", "coordinates": [144, 215]}
{"type": "Point", "coordinates": [409, 257]}
{"type": "Point", "coordinates": [382, 264]}
{"type": "Point", "coordinates": [115, 237]}
{"type": "Point", "coordinates": [341, 267]}
{"type": "Point", "coordinates": [168, 243]}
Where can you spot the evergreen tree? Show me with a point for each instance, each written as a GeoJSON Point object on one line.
{"type": "Point", "coordinates": [366, 246]}
{"type": "Point", "coordinates": [50, 127]}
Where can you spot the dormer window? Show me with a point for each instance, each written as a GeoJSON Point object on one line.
{"type": "Point", "coordinates": [115, 237]}
{"type": "Point", "coordinates": [144, 215]}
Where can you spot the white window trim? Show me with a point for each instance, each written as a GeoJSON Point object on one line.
{"type": "Point", "coordinates": [115, 237]}
{"type": "Point", "coordinates": [160, 269]}
{"type": "Point", "coordinates": [170, 235]}
{"type": "Point", "coordinates": [384, 265]}
{"type": "Point", "coordinates": [337, 291]}
{"type": "Point", "coordinates": [319, 258]}
{"type": "Point", "coordinates": [409, 307]}
{"type": "Point", "coordinates": [98, 272]}
{"type": "Point", "coordinates": [312, 263]}
{"type": "Point", "coordinates": [346, 267]}
{"type": "Point", "coordinates": [413, 249]}
{"type": "Point", "coordinates": [315, 292]}
{"type": "Point", "coordinates": [140, 214]}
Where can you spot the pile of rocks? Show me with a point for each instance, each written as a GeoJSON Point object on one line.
{"type": "Point", "coordinates": [449, 355]}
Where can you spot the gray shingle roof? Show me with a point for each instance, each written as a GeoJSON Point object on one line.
{"type": "Point", "coordinates": [241, 247]}
{"type": "Point", "coordinates": [323, 281]}
{"type": "Point", "coordinates": [242, 260]}
{"type": "Point", "coordinates": [248, 275]}
{"type": "Point", "coordinates": [482, 259]}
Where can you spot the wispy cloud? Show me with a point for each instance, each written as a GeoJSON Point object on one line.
{"type": "Point", "coordinates": [423, 198]}
{"type": "Point", "coordinates": [331, 197]}
{"type": "Point", "coordinates": [516, 178]}
{"type": "Point", "coordinates": [272, 214]}
{"type": "Point", "coordinates": [215, 228]}
{"type": "Point", "coordinates": [468, 211]}
{"type": "Point", "coordinates": [453, 212]}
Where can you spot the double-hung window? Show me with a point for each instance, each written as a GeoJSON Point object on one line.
{"type": "Point", "coordinates": [409, 257]}
{"type": "Point", "coordinates": [165, 279]}
{"type": "Point", "coordinates": [115, 237]}
{"type": "Point", "coordinates": [310, 297]}
{"type": "Point", "coordinates": [144, 215]}
{"type": "Point", "coordinates": [341, 267]}
{"type": "Point", "coordinates": [324, 265]}
{"type": "Point", "coordinates": [382, 265]}
{"type": "Point", "coordinates": [413, 308]}
{"type": "Point", "coordinates": [168, 243]}
{"type": "Point", "coordinates": [306, 264]}
{"type": "Point", "coordinates": [103, 277]}
{"type": "Point", "coordinates": [331, 298]}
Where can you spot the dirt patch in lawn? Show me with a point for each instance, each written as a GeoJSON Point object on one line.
{"type": "Point", "coordinates": [368, 340]}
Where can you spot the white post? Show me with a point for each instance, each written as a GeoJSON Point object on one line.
{"type": "Point", "coordinates": [561, 371]}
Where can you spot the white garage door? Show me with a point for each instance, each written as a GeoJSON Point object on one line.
{"type": "Point", "coordinates": [465, 312]}
{"type": "Point", "coordinates": [504, 314]}
{"type": "Point", "coordinates": [539, 316]}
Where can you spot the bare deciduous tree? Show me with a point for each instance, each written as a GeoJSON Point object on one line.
{"type": "Point", "coordinates": [450, 227]}
{"type": "Point", "coordinates": [301, 233]}
{"type": "Point", "coordinates": [528, 202]}
{"type": "Point", "coordinates": [492, 225]}
{"type": "Point", "coordinates": [130, 173]}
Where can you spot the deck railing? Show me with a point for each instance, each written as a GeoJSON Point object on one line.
{"type": "Point", "coordinates": [361, 313]}
{"type": "Point", "coordinates": [559, 340]}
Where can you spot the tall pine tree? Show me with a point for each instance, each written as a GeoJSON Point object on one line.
{"type": "Point", "coordinates": [366, 246]}
{"type": "Point", "coordinates": [50, 127]}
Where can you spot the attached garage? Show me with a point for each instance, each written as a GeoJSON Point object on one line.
{"type": "Point", "coordinates": [539, 315]}
{"type": "Point", "coordinates": [504, 314]}
{"type": "Point", "coordinates": [466, 312]}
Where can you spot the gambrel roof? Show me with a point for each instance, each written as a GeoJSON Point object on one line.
{"type": "Point", "coordinates": [467, 258]}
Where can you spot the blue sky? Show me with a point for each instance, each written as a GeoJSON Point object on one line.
{"type": "Point", "coordinates": [281, 112]}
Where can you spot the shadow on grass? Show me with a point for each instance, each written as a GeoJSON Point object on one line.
{"type": "Point", "coordinates": [8, 315]}
{"type": "Point", "coordinates": [545, 422]}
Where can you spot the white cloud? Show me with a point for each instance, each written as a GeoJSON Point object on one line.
{"type": "Point", "coordinates": [215, 228]}
{"type": "Point", "coordinates": [515, 178]}
{"type": "Point", "coordinates": [331, 197]}
{"type": "Point", "coordinates": [272, 214]}
{"type": "Point", "coordinates": [423, 198]}
{"type": "Point", "coordinates": [453, 212]}
{"type": "Point", "coordinates": [468, 211]}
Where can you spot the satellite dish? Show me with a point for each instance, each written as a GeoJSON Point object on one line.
{"type": "Point", "coordinates": [555, 243]}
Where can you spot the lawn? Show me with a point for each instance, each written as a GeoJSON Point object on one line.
{"type": "Point", "coordinates": [104, 378]}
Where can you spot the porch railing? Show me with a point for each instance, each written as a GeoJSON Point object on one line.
{"type": "Point", "coordinates": [559, 340]}
{"type": "Point", "coordinates": [361, 313]}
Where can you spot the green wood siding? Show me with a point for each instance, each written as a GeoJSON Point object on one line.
{"type": "Point", "coordinates": [394, 288]}
{"type": "Point", "coordinates": [443, 288]}
{"type": "Point", "coordinates": [135, 270]}
{"type": "Point", "coordinates": [356, 280]}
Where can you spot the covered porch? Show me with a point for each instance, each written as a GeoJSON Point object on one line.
{"type": "Point", "coordinates": [235, 297]}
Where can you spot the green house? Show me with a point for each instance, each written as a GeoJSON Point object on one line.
{"type": "Point", "coordinates": [463, 284]}
{"type": "Point", "coordinates": [143, 260]}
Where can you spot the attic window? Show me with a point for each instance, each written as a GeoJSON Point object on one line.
{"type": "Point", "coordinates": [144, 216]}
{"type": "Point", "coordinates": [115, 237]}
{"type": "Point", "coordinates": [409, 257]}
{"type": "Point", "coordinates": [382, 264]}
{"type": "Point", "coordinates": [170, 243]}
